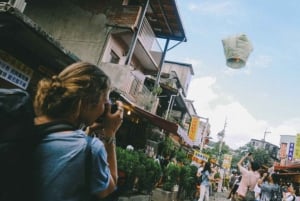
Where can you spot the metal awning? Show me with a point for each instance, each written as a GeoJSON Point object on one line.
{"type": "Point", "coordinates": [165, 20]}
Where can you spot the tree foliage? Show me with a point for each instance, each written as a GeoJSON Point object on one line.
{"type": "Point", "coordinates": [260, 155]}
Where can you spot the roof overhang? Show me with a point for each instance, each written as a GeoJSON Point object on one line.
{"type": "Point", "coordinates": [165, 20]}
{"type": "Point", "coordinates": [21, 37]}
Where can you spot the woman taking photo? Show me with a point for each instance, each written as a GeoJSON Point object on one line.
{"type": "Point", "coordinates": [77, 96]}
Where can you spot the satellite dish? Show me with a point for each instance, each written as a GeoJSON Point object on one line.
{"type": "Point", "coordinates": [237, 50]}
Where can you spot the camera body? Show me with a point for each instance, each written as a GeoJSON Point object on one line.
{"type": "Point", "coordinates": [113, 109]}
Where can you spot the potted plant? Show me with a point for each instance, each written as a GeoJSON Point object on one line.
{"type": "Point", "coordinates": [141, 173]}
{"type": "Point", "coordinates": [172, 176]}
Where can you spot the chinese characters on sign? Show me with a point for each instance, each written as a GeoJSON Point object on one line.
{"type": "Point", "coordinates": [18, 75]}
{"type": "Point", "coordinates": [198, 157]}
{"type": "Point", "coordinates": [291, 151]}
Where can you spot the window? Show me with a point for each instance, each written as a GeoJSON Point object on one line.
{"type": "Point", "coordinates": [114, 58]}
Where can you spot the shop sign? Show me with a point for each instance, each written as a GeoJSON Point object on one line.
{"type": "Point", "coordinates": [297, 147]}
{"type": "Point", "coordinates": [194, 128]}
{"type": "Point", "coordinates": [19, 74]}
{"type": "Point", "coordinates": [227, 161]}
{"type": "Point", "coordinates": [198, 157]}
{"type": "Point", "coordinates": [291, 151]}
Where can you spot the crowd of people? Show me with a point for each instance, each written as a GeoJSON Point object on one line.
{"type": "Point", "coordinates": [249, 183]}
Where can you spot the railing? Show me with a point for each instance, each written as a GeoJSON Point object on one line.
{"type": "Point", "coordinates": [130, 85]}
{"type": "Point", "coordinates": [149, 41]}
{"type": "Point", "coordinates": [143, 96]}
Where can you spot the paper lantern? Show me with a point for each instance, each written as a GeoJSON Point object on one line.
{"type": "Point", "coordinates": [237, 50]}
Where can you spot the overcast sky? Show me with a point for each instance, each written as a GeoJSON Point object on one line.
{"type": "Point", "coordinates": [262, 96]}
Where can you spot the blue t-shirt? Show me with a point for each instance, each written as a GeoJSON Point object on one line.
{"type": "Point", "coordinates": [205, 178]}
{"type": "Point", "coordinates": [60, 167]}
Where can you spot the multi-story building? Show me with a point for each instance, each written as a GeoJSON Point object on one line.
{"type": "Point", "coordinates": [272, 149]}
{"type": "Point", "coordinates": [40, 38]}
{"type": "Point", "coordinates": [287, 149]}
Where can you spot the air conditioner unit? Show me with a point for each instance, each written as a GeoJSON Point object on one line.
{"type": "Point", "coordinates": [18, 4]}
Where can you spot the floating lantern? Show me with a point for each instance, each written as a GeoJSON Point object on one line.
{"type": "Point", "coordinates": [237, 50]}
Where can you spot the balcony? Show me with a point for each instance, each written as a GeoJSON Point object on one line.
{"type": "Point", "coordinates": [147, 50]}
{"type": "Point", "coordinates": [131, 85]}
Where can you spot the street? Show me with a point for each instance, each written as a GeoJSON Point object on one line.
{"type": "Point", "coordinates": [218, 196]}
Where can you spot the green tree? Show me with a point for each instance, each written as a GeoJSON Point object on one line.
{"type": "Point", "coordinates": [260, 155]}
{"type": "Point", "coordinates": [214, 151]}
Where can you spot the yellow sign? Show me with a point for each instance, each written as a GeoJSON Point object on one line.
{"type": "Point", "coordinates": [227, 161]}
{"type": "Point", "coordinates": [194, 128]}
{"type": "Point", "coordinates": [297, 147]}
{"type": "Point", "coordinates": [198, 157]}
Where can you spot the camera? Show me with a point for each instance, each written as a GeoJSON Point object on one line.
{"type": "Point", "coordinates": [114, 108]}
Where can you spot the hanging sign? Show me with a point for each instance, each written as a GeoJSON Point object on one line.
{"type": "Point", "coordinates": [18, 75]}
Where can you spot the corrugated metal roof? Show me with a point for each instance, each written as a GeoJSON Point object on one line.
{"type": "Point", "coordinates": [165, 20]}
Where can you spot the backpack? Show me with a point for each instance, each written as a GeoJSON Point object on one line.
{"type": "Point", "coordinates": [18, 139]}
{"type": "Point", "coordinates": [276, 194]}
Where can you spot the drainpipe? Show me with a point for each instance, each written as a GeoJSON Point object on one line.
{"type": "Point", "coordinates": [135, 34]}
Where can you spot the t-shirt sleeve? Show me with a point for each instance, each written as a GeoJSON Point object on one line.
{"type": "Point", "coordinates": [100, 174]}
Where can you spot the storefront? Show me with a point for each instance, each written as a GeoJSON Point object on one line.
{"type": "Point", "coordinates": [27, 53]}
{"type": "Point", "coordinates": [290, 174]}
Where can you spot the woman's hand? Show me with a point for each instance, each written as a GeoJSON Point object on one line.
{"type": "Point", "coordinates": [109, 124]}
{"type": "Point", "coordinates": [112, 121]}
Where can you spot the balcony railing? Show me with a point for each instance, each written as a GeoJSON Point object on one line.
{"type": "Point", "coordinates": [130, 85]}
{"type": "Point", "coordinates": [148, 39]}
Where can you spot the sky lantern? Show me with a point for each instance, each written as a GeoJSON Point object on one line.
{"type": "Point", "coordinates": [237, 49]}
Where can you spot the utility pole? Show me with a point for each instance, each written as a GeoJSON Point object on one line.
{"type": "Point", "coordinates": [221, 136]}
{"type": "Point", "coordinates": [265, 133]}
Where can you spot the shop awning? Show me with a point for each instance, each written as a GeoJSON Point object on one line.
{"type": "Point", "coordinates": [159, 121]}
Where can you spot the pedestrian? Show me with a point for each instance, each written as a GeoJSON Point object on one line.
{"type": "Point", "coordinates": [235, 186]}
{"type": "Point", "coordinates": [232, 178]}
{"type": "Point", "coordinates": [198, 173]}
{"type": "Point", "coordinates": [250, 176]}
{"type": "Point", "coordinates": [205, 182]}
{"type": "Point", "coordinates": [290, 195]}
{"type": "Point", "coordinates": [270, 187]}
{"type": "Point", "coordinates": [78, 95]}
